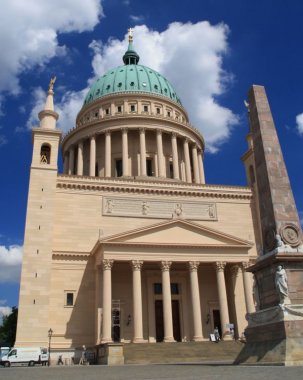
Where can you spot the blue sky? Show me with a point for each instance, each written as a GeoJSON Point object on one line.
{"type": "Point", "coordinates": [212, 51]}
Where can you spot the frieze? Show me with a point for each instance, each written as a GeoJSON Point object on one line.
{"type": "Point", "coordinates": [158, 209]}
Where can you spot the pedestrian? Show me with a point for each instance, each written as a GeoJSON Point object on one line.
{"type": "Point", "coordinates": [217, 334]}
{"type": "Point", "coordinates": [60, 361]}
{"type": "Point", "coordinates": [83, 360]}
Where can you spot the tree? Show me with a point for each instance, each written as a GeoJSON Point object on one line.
{"type": "Point", "coordinates": [9, 328]}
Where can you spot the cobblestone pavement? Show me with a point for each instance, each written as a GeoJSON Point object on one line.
{"type": "Point", "coordinates": [170, 372]}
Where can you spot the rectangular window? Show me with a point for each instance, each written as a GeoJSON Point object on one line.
{"type": "Point", "coordinates": [132, 108]}
{"type": "Point", "coordinates": [119, 171]}
{"type": "Point", "coordinates": [119, 109]}
{"type": "Point", "coordinates": [158, 111]}
{"type": "Point", "coordinates": [107, 111]}
{"type": "Point", "coordinates": [145, 108]}
{"type": "Point", "coordinates": [174, 288]}
{"type": "Point", "coordinates": [69, 299]}
{"type": "Point", "coordinates": [168, 113]}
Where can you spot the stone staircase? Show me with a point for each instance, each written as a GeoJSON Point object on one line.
{"type": "Point", "coordinates": [189, 352]}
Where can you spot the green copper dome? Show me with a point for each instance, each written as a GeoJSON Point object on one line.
{"type": "Point", "coordinates": [129, 78]}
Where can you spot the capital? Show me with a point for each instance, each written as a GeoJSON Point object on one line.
{"type": "Point", "coordinates": [107, 264]}
{"type": "Point", "coordinates": [165, 266]}
{"type": "Point", "coordinates": [234, 271]}
{"type": "Point", "coordinates": [220, 266]}
{"type": "Point", "coordinates": [245, 265]}
{"type": "Point", "coordinates": [136, 264]}
{"type": "Point", "coordinates": [193, 266]}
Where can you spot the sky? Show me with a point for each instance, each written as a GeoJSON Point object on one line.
{"type": "Point", "coordinates": [212, 51]}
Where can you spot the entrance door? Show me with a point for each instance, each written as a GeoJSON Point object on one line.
{"type": "Point", "coordinates": [217, 321]}
{"type": "Point", "coordinates": [160, 322]}
{"type": "Point", "coordinates": [176, 320]}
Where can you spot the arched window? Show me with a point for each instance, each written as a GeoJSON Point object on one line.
{"type": "Point", "coordinates": [45, 154]}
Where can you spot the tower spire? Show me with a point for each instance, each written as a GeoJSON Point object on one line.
{"type": "Point", "coordinates": [48, 116]}
{"type": "Point", "coordinates": [130, 57]}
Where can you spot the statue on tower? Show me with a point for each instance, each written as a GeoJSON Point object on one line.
{"type": "Point", "coordinates": [51, 84]}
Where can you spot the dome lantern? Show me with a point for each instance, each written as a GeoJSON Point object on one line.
{"type": "Point", "coordinates": [130, 57]}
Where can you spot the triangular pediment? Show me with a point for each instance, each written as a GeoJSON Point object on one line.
{"type": "Point", "coordinates": [177, 232]}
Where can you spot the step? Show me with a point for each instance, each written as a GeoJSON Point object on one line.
{"type": "Point", "coordinates": [145, 353]}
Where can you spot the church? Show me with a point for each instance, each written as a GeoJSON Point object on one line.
{"type": "Point", "coordinates": [129, 244]}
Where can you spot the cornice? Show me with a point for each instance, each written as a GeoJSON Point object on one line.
{"type": "Point", "coordinates": [73, 255]}
{"type": "Point", "coordinates": [174, 245]}
{"type": "Point", "coordinates": [157, 187]}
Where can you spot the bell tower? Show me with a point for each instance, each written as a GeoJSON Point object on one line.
{"type": "Point", "coordinates": [33, 319]}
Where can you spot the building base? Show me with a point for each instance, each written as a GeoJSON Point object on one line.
{"type": "Point", "coordinates": [274, 336]}
{"type": "Point", "coordinates": [110, 354]}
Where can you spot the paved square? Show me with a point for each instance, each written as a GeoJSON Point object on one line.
{"type": "Point", "coordinates": [169, 372]}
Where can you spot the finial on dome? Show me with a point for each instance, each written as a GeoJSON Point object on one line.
{"type": "Point", "coordinates": [130, 57]}
{"type": "Point", "coordinates": [130, 35]}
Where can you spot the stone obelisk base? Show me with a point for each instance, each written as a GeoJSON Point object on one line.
{"type": "Point", "coordinates": [274, 336]}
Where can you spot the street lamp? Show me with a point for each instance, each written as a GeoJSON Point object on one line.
{"type": "Point", "coordinates": [50, 333]}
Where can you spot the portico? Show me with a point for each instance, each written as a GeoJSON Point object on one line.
{"type": "Point", "coordinates": [162, 294]}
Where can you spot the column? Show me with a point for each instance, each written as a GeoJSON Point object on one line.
{"type": "Point", "coordinates": [107, 301]}
{"type": "Point", "coordinates": [195, 164]}
{"type": "Point", "coordinates": [80, 159]}
{"type": "Point", "coordinates": [71, 162]}
{"type": "Point", "coordinates": [222, 299]}
{"type": "Point", "coordinates": [142, 152]}
{"type": "Point", "coordinates": [187, 161]}
{"type": "Point", "coordinates": [108, 154]}
{"type": "Point", "coordinates": [175, 156]}
{"type": "Point", "coordinates": [248, 288]}
{"type": "Point", "coordinates": [195, 300]}
{"type": "Point", "coordinates": [167, 310]}
{"type": "Point", "coordinates": [124, 152]}
{"type": "Point", "coordinates": [137, 302]}
{"type": "Point", "coordinates": [66, 163]}
{"type": "Point", "coordinates": [161, 164]}
{"type": "Point", "coordinates": [92, 156]}
{"type": "Point", "coordinates": [201, 167]}
{"type": "Point", "coordinates": [98, 319]}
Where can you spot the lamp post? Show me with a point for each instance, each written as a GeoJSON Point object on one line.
{"type": "Point", "coordinates": [50, 333]}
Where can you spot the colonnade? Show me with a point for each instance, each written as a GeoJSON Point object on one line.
{"type": "Point", "coordinates": [167, 305]}
{"type": "Point", "coordinates": [192, 156]}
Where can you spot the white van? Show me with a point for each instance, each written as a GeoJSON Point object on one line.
{"type": "Point", "coordinates": [25, 355]}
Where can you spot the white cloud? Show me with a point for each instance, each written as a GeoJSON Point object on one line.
{"type": "Point", "coordinates": [5, 310]}
{"type": "Point", "coordinates": [189, 55]}
{"type": "Point", "coordinates": [138, 18]}
{"type": "Point", "coordinates": [10, 259]}
{"type": "Point", "coordinates": [299, 121]}
{"type": "Point", "coordinates": [29, 30]}
{"type": "Point", "coordinates": [3, 140]}
{"type": "Point", "coordinates": [68, 107]}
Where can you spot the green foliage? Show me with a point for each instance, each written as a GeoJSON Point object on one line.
{"type": "Point", "coordinates": [8, 328]}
